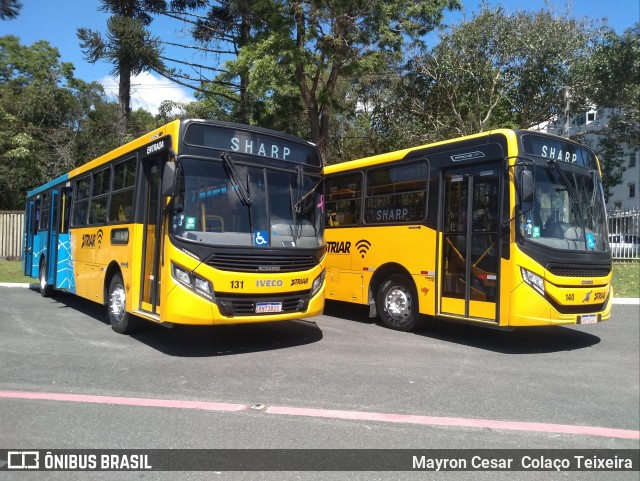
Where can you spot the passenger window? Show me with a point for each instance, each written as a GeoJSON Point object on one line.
{"type": "Point", "coordinates": [124, 175]}
{"type": "Point", "coordinates": [81, 202]}
{"type": "Point", "coordinates": [397, 193]}
{"type": "Point", "coordinates": [343, 200]}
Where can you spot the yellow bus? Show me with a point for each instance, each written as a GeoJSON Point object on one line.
{"type": "Point", "coordinates": [505, 228]}
{"type": "Point", "coordinates": [197, 222]}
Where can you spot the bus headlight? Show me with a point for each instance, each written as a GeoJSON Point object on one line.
{"type": "Point", "coordinates": [317, 284]}
{"type": "Point", "coordinates": [196, 283]}
{"type": "Point", "coordinates": [181, 275]}
{"type": "Point", "coordinates": [203, 287]}
{"type": "Point", "coordinates": [534, 280]}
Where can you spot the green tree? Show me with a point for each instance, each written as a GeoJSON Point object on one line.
{"type": "Point", "coordinates": [38, 110]}
{"type": "Point", "coordinates": [225, 29]}
{"type": "Point", "coordinates": [9, 9]}
{"type": "Point", "coordinates": [310, 45]}
{"type": "Point", "coordinates": [127, 45]}
{"type": "Point", "coordinates": [498, 69]}
{"type": "Point", "coordinates": [221, 29]}
{"type": "Point", "coordinates": [51, 121]}
{"type": "Point", "coordinates": [609, 79]}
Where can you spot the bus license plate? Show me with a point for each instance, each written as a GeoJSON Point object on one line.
{"type": "Point", "coordinates": [268, 307]}
{"type": "Point", "coordinates": [589, 319]}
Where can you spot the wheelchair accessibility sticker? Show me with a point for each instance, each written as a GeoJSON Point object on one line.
{"type": "Point", "coordinates": [261, 238]}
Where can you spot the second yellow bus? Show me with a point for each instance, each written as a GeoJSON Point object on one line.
{"type": "Point", "coordinates": [503, 229]}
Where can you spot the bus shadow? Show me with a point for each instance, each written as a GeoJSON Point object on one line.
{"type": "Point", "coordinates": [228, 340]}
{"type": "Point", "coordinates": [352, 312]}
{"type": "Point", "coordinates": [206, 341]}
{"type": "Point", "coordinates": [79, 304]}
{"type": "Point", "coordinates": [533, 340]}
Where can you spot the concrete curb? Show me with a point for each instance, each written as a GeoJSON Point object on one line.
{"type": "Point", "coordinates": [628, 301]}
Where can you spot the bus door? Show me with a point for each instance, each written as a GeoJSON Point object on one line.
{"type": "Point", "coordinates": [52, 243]}
{"type": "Point", "coordinates": [152, 237]}
{"type": "Point", "coordinates": [30, 230]}
{"type": "Point", "coordinates": [470, 242]}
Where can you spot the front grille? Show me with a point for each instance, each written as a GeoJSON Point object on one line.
{"type": "Point", "coordinates": [578, 270]}
{"type": "Point", "coordinates": [262, 263]}
{"type": "Point", "coordinates": [588, 309]}
{"type": "Point", "coordinates": [245, 305]}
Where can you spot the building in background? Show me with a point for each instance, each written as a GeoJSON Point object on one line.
{"type": "Point", "coordinates": [624, 196]}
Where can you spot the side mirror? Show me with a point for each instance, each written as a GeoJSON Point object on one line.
{"type": "Point", "coordinates": [168, 179]}
{"type": "Point", "coordinates": [527, 187]}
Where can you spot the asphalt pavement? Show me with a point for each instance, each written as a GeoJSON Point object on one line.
{"type": "Point", "coordinates": [337, 381]}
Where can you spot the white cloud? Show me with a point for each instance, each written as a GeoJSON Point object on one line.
{"type": "Point", "coordinates": [148, 91]}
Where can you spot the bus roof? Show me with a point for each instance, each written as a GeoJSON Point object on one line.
{"type": "Point", "coordinates": [401, 154]}
{"type": "Point", "coordinates": [48, 185]}
{"type": "Point", "coordinates": [171, 127]}
{"type": "Point", "coordinates": [510, 134]}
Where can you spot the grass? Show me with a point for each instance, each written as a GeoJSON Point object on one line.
{"type": "Point", "coordinates": [626, 280]}
{"type": "Point", "coordinates": [626, 277]}
{"type": "Point", "coordinates": [11, 271]}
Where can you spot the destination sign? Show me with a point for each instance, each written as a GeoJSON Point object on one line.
{"type": "Point", "coordinates": [556, 149]}
{"type": "Point", "coordinates": [251, 143]}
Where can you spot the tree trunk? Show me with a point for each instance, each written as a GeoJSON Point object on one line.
{"type": "Point", "coordinates": [245, 31]}
{"type": "Point", "coordinates": [124, 98]}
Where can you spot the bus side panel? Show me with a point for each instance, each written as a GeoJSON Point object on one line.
{"type": "Point", "coordinates": [345, 285]}
{"type": "Point", "coordinates": [40, 241]}
{"type": "Point", "coordinates": [84, 268]}
{"type": "Point", "coordinates": [426, 288]}
{"type": "Point", "coordinates": [107, 252]}
{"type": "Point", "coordinates": [64, 275]}
{"type": "Point", "coordinates": [355, 255]}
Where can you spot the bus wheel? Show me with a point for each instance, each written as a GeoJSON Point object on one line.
{"type": "Point", "coordinates": [397, 304]}
{"type": "Point", "coordinates": [122, 321]}
{"type": "Point", "coordinates": [45, 287]}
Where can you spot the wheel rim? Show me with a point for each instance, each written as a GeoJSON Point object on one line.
{"type": "Point", "coordinates": [398, 304]}
{"type": "Point", "coordinates": [117, 303]}
{"type": "Point", "coordinates": [43, 279]}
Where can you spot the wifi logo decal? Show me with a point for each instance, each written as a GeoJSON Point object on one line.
{"type": "Point", "coordinates": [91, 240]}
{"type": "Point", "coordinates": [363, 247]}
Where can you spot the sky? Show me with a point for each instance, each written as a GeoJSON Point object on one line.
{"type": "Point", "coordinates": [56, 21]}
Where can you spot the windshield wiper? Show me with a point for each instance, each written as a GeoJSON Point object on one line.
{"type": "Point", "coordinates": [572, 193]}
{"type": "Point", "coordinates": [594, 194]}
{"type": "Point", "coordinates": [236, 181]}
{"type": "Point", "coordinates": [302, 204]}
{"type": "Point", "coordinates": [294, 214]}
{"type": "Point", "coordinates": [295, 205]}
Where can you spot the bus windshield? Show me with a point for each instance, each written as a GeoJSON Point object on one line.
{"type": "Point", "coordinates": [222, 202]}
{"type": "Point", "coordinates": [568, 209]}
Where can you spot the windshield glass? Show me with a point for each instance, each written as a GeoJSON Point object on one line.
{"type": "Point", "coordinates": [227, 203]}
{"type": "Point", "coordinates": [568, 209]}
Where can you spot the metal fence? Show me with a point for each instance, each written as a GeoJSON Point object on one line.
{"type": "Point", "coordinates": [624, 234]}
{"type": "Point", "coordinates": [11, 223]}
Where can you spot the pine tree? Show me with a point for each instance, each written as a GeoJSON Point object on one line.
{"type": "Point", "coordinates": [127, 45]}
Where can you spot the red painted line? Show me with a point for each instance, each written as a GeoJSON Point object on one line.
{"type": "Point", "coordinates": [332, 414]}
{"type": "Point", "coordinates": [124, 401]}
{"type": "Point", "coordinates": [458, 422]}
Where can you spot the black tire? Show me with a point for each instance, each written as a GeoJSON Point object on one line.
{"type": "Point", "coordinates": [45, 288]}
{"type": "Point", "coordinates": [121, 321]}
{"type": "Point", "coordinates": [397, 304]}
